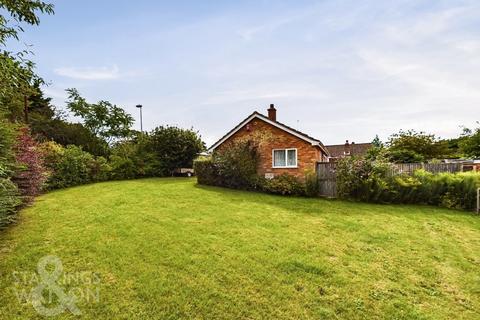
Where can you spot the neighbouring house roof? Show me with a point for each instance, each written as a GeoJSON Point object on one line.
{"type": "Point", "coordinates": [355, 149]}
{"type": "Point", "coordinates": [257, 115]}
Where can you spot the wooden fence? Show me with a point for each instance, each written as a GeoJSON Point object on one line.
{"type": "Point", "coordinates": [327, 177]}
{"type": "Point", "coordinates": [409, 168]}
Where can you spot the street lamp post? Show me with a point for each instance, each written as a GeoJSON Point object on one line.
{"type": "Point", "coordinates": [139, 106]}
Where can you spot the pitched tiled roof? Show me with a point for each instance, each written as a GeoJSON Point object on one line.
{"type": "Point", "coordinates": [275, 123]}
{"type": "Point", "coordinates": [356, 149]}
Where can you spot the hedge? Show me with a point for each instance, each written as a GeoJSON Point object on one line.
{"type": "Point", "coordinates": [369, 181]}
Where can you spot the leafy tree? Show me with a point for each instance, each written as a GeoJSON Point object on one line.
{"type": "Point", "coordinates": [376, 142]}
{"type": "Point", "coordinates": [173, 148]}
{"type": "Point", "coordinates": [104, 119]}
{"type": "Point", "coordinates": [404, 156]}
{"type": "Point", "coordinates": [377, 149]}
{"type": "Point", "coordinates": [7, 138]}
{"type": "Point", "coordinates": [66, 134]}
{"type": "Point", "coordinates": [412, 146]}
{"type": "Point", "coordinates": [16, 12]}
{"type": "Point", "coordinates": [470, 143]}
{"type": "Point", "coordinates": [17, 75]}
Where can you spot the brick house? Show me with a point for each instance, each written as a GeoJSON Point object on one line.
{"type": "Point", "coordinates": [284, 149]}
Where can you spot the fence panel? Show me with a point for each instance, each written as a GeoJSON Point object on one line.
{"type": "Point", "coordinates": [410, 168]}
{"type": "Point", "coordinates": [327, 178]}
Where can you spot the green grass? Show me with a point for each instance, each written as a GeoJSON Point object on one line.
{"type": "Point", "coordinates": [169, 249]}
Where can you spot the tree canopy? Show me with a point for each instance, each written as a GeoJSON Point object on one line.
{"type": "Point", "coordinates": [104, 119]}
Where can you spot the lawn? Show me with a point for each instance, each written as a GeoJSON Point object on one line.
{"type": "Point", "coordinates": [169, 249]}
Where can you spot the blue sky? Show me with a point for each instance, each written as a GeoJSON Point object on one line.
{"type": "Point", "coordinates": [336, 70]}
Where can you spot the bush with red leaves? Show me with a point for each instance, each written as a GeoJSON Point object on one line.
{"type": "Point", "coordinates": [30, 174]}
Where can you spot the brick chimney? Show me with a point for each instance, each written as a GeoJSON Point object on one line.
{"type": "Point", "coordinates": [346, 150]}
{"type": "Point", "coordinates": [272, 113]}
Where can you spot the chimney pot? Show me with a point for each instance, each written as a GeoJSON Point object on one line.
{"type": "Point", "coordinates": [272, 113]}
{"type": "Point", "coordinates": [346, 149]}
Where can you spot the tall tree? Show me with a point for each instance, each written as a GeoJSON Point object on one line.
{"type": "Point", "coordinates": [413, 146]}
{"type": "Point", "coordinates": [470, 144]}
{"type": "Point", "coordinates": [173, 148]}
{"type": "Point", "coordinates": [104, 119]}
{"type": "Point", "coordinates": [17, 75]}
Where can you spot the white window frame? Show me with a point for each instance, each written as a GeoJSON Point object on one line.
{"type": "Point", "coordinates": [286, 158]}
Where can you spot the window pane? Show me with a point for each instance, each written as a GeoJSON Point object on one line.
{"type": "Point", "coordinates": [292, 158]}
{"type": "Point", "coordinates": [279, 158]}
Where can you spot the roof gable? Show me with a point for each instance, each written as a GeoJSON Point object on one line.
{"type": "Point", "coordinates": [338, 150]}
{"type": "Point", "coordinates": [256, 115]}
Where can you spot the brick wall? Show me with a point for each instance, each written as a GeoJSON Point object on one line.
{"type": "Point", "coordinates": [275, 138]}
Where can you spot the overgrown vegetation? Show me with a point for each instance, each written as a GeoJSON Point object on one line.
{"type": "Point", "coordinates": [371, 181]}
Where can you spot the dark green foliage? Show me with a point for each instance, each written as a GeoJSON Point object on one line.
{"type": "Point", "coordinates": [312, 185]}
{"type": "Point", "coordinates": [470, 143]}
{"type": "Point", "coordinates": [405, 156]}
{"type": "Point", "coordinates": [284, 184]}
{"type": "Point", "coordinates": [7, 138]}
{"type": "Point", "coordinates": [66, 133]}
{"type": "Point", "coordinates": [413, 146]}
{"type": "Point", "coordinates": [236, 164]}
{"type": "Point", "coordinates": [172, 148]}
{"type": "Point", "coordinates": [371, 181]}
{"type": "Point", "coordinates": [206, 172]}
{"type": "Point", "coordinates": [130, 160]}
{"type": "Point", "coordinates": [9, 201]}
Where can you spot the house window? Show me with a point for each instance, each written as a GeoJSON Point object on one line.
{"type": "Point", "coordinates": [284, 158]}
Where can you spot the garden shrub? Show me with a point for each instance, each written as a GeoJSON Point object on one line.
{"type": "Point", "coordinates": [312, 184]}
{"type": "Point", "coordinates": [130, 160]}
{"type": "Point", "coordinates": [237, 164]}
{"type": "Point", "coordinates": [285, 184]}
{"type": "Point", "coordinates": [234, 166]}
{"type": "Point", "coordinates": [206, 172]}
{"type": "Point", "coordinates": [363, 180]}
{"type": "Point", "coordinates": [169, 148]}
{"type": "Point", "coordinates": [30, 172]}
{"type": "Point", "coordinates": [72, 166]}
{"type": "Point", "coordinates": [99, 169]}
{"type": "Point", "coordinates": [10, 200]}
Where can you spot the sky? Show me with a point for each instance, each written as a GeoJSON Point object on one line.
{"type": "Point", "coordinates": [335, 70]}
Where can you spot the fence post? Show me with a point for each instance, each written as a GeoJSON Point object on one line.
{"type": "Point", "coordinates": [478, 200]}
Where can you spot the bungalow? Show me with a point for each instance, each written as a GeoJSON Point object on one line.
{"type": "Point", "coordinates": [285, 150]}
{"type": "Point", "coordinates": [338, 151]}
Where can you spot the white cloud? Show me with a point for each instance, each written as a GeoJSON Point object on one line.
{"type": "Point", "coordinates": [89, 73]}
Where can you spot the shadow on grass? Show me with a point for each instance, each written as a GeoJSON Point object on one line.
{"type": "Point", "coordinates": [315, 206]}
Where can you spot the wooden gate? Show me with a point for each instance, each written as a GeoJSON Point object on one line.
{"type": "Point", "coordinates": [327, 179]}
